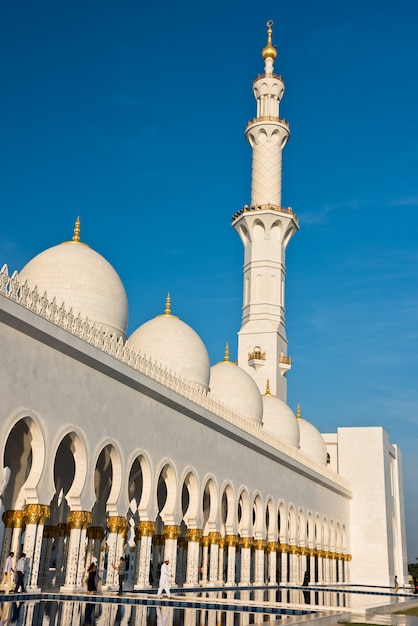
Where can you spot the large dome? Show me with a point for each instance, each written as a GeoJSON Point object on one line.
{"type": "Point", "coordinates": [279, 419]}
{"type": "Point", "coordinates": [311, 441]}
{"type": "Point", "coordinates": [235, 388]}
{"type": "Point", "coordinates": [175, 346]}
{"type": "Point", "coordinates": [81, 279]}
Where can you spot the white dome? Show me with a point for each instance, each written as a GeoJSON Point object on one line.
{"type": "Point", "coordinates": [81, 279]}
{"type": "Point", "coordinates": [232, 386]}
{"type": "Point", "coordinates": [175, 346]}
{"type": "Point", "coordinates": [311, 441]}
{"type": "Point", "coordinates": [279, 420]}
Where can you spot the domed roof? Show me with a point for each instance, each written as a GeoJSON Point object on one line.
{"type": "Point", "coordinates": [235, 388]}
{"type": "Point", "coordinates": [311, 441]}
{"type": "Point", "coordinates": [279, 419]}
{"type": "Point", "coordinates": [175, 346]}
{"type": "Point", "coordinates": [81, 279]}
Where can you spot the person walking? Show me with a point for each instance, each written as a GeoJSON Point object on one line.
{"type": "Point", "coordinates": [20, 573]}
{"type": "Point", "coordinates": [164, 584]}
{"type": "Point", "coordinates": [121, 571]}
{"type": "Point", "coordinates": [8, 571]}
{"type": "Point", "coordinates": [91, 578]}
{"type": "Point", "coordinates": [396, 584]}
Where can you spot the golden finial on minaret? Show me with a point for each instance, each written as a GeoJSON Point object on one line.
{"type": "Point", "coordinates": [298, 415]}
{"type": "Point", "coordinates": [76, 236]}
{"type": "Point", "coordinates": [269, 52]}
{"type": "Point", "coordinates": [167, 310]}
{"type": "Point", "coordinates": [226, 355]}
{"type": "Point", "coordinates": [267, 388]}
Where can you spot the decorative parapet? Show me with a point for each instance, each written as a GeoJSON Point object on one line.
{"type": "Point", "coordinates": [11, 288]}
{"type": "Point", "coordinates": [265, 207]}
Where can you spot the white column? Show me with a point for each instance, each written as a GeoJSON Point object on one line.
{"type": "Point", "coordinates": [18, 518]}
{"type": "Point", "coordinates": [205, 560]}
{"type": "Point", "coordinates": [231, 542]}
{"type": "Point", "coordinates": [194, 536]}
{"type": "Point", "coordinates": [116, 525]}
{"type": "Point", "coordinates": [63, 531]}
{"type": "Point", "coordinates": [171, 534]}
{"type": "Point", "coordinates": [144, 534]}
{"type": "Point", "coordinates": [35, 516]}
{"type": "Point", "coordinates": [214, 539]}
{"type": "Point", "coordinates": [221, 563]}
{"type": "Point", "coordinates": [272, 548]}
{"type": "Point", "coordinates": [245, 573]}
{"type": "Point", "coordinates": [284, 573]}
{"type": "Point", "coordinates": [77, 522]}
{"type": "Point", "coordinates": [259, 556]}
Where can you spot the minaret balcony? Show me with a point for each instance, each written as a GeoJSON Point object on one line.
{"type": "Point", "coordinates": [268, 118]}
{"type": "Point", "coordinates": [257, 358]}
{"type": "Point", "coordinates": [285, 363]}
{"type": "Point", "coordinates": [261, 76]}
{"type": "Point", "coordinates": [265, 207]}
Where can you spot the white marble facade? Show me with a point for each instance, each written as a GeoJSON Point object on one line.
{"type": "Point", "coordinates": [135, 446]}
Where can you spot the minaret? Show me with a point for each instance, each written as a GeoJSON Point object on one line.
{"type": "Point", "coordinates": [265, 229]}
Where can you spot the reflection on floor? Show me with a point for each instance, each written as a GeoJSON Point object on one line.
{"type": "Point", "coordinates": [211, 607]}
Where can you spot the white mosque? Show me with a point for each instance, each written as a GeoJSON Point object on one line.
{"type": "Point", "coordinates": [114, 445]}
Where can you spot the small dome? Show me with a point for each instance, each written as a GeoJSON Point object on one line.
{"type": "Point", "coordinates": [279, 419]}
{"type": "Point", "coordinates": [232, 386]}
{"type": "Point", "coordinates": [81, 279]}
{"type": "Point", "coordinates": [175, 346]}
{"type": "Point", "coordinates": [311, 441]}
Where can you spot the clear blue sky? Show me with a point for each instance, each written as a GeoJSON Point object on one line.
{"type": "Point", "coordinates": [132, 115]}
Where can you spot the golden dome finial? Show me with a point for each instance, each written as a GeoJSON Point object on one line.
{"type": "Point", "coordinates": [298, 415]}
{"type": "Point", "coordinates": [167, 310]}
{"type": "Point", "coordinates": [267, 388]}
{"type": "Point", "coordinates": [76, 236]}
{"type": "Point", "coordinates": [226, 355]}
{"type": "Point", "coordinates": [269, 52]}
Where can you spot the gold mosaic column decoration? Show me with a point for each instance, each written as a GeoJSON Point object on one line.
{"type": "Point", "coordinates": [194, 537]}
{"type": "Point", "coordinates": [34, 516]}
{"type": "Point", "coordinates": [78, 521]}
{"type": "Point", "coordinates": [19, 524]}
{"type": "Point", "coordinates": [143, 540]}
{"type": "Point", "coordinates": [8, 521]}
{"type": "Point", "coordinates": [171, 533]}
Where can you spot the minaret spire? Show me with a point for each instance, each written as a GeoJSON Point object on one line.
{"type": "Point", "coordinates": [265, 229]}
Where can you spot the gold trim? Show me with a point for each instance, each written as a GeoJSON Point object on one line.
{"type": "Point", "coordinates": [259, 544]}
{"type": "Point", "coordinates": [19, 519]}
{"type": "Point", "coordinates": [214, 538]}
{"type": "Point", "coordinates": [36, 513]}
{"type": "Point", "coordinates": [145, 529]}
{"type": "Point", "coordinates": [232, 541]}
{"type": "Point", "coordinates": [246, 542]}
{"type": "Point", "coordinates": [194, 534]}
{"type": "Point", "coordinates": [79, 519]}
{"type": "Point", "coordinates": [63, 529]}
{"type": "Point", "coordinates": [95, 532]}
{"type": "Point", "coordinates": [49, 532]}
{"type": "Point", "coordinates": [116, 523]}
{"type": "Point", "coordinates": [272, 546]}
{"type": "Point", "coordinates": [171, 531]}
